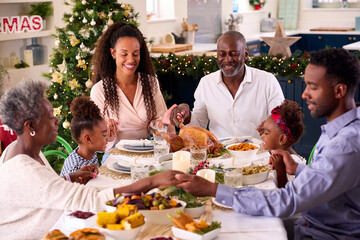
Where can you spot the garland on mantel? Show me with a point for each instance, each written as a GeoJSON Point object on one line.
{"type": "Point", "coordinates": [257, 4]}
{"type": "Point", "coordinates": [198, 66]}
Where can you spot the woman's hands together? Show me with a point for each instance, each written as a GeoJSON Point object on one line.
{"type": "Point", "coordinates": [112, 129]}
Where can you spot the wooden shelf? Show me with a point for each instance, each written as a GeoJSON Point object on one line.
{"type": "Point", "coordinates": [24, 1]}
{"type": "Point", "coordinates": [15, 36]}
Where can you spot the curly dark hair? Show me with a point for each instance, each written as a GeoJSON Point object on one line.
{"type": "Point", "coordinates": [86, 115]}
{"type": "Point", "coordinates": [291, 114]}
{"type": "Point", "coordinates": [105, 67]}
{"type": "Point", "coordinates": [341, 67]}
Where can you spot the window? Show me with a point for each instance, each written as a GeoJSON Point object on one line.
{"type": "Point", "coordinates": [161, 9]}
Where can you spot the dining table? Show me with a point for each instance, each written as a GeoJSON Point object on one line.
{"type": "Point", "coordinates": [233, 225]}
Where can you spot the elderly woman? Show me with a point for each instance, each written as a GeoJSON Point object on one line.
{"type": "Point", "coordinates": [33, 196]}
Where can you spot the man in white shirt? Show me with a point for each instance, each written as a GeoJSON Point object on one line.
{"type": "Point", "coordinates": [235, 99]}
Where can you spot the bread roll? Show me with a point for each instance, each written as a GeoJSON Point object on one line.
{"type": "Point", "coordinates": [55, 235]}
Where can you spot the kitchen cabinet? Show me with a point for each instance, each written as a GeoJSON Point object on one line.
{"type": "Point", "coordinates": [14, 44]}
{"type": "Point", "coordinates": [315, 42]}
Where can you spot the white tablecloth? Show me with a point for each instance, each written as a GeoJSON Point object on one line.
{"type": "Point", "coordinates": [234, 225]}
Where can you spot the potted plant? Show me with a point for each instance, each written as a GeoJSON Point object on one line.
{"type": "Point", "coordinates": [43, 9]}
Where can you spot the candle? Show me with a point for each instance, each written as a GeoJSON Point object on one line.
{"type": "Point", "coordinates": [208, 174]}
{"type": "Point", "coordinates": [181, 161]}
{"type": "Point", "coordinates": [28, 57]}
{"type": "Point", "coordinates": [14, 60]}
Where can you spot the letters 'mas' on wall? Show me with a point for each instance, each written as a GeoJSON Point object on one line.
{"type": "Point", "coordinates": [19, 24]}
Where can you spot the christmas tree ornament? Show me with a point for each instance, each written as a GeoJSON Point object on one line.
{"type": "Point", "coordinates": [82, 46]}
{"type": "Point", "coordinates": [56, 96]}
{"type": "Point", "coordinates": [83, 2]}
{"type": "Point", "coordinates": [57, 42]}
{"type": "Point", "coordinates": [66, 124]}
{"type": "Point", "coordinates": [110, 14]}
{"type": "Point", "coordinates": [51, 70]}
{"type": "Point", "coordinates": [89, 83]}
{"type": "Point", "coordinates": [105, 28]}
{"type": "Point", "coordinates": [92, 23]}
{"type": "Point", "coordinates": [110, 22]}
{"type": "Point", "coordinates": [78, 57]}
{"type": "Point", "coordinates": [71, 19]}
{"type": "Point", "coordinates": [84, 20]}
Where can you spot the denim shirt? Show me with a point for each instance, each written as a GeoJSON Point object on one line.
{"type": "Point", "coordinates": [327, 191]}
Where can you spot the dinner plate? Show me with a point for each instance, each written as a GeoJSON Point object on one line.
{"type": "Point", "coordinates": [138, 147]}
{"type": "Point", "coordinates": [219, 204]}
{"type": "Point", "coordinates": [111, 167]}
{"type": "Point", "coordinates": [123, 148]}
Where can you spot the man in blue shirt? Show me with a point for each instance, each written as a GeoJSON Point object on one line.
{"type": "Point", "coordinates": [326, 192]}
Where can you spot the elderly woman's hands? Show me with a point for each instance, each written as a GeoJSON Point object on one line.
{"type": "Point", "coordinates": [197, 186]}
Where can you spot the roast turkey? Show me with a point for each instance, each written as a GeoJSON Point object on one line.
{"type": "Point", "coordinates": [189, 137]}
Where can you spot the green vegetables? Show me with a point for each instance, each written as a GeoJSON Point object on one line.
{"type": "Point", "coordinates": [213, 225]}
{"type": "Point", "coordinates": [191, 201]}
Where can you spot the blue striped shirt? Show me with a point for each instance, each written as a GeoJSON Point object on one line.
{"type": "Point", "coordinates": [327, 191]}
{"type": "Point", "coordinates": [74, 162]}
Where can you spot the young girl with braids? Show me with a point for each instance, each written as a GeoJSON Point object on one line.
{"type": "Point", "coordinates": [126, 90]}
{"type": "Point", "coordinates": [282, 129]}
{"type": "Point", "coordinates": [88, 129]}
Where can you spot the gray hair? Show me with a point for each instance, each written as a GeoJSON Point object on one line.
{"type": "Point", "coordinates": [234, 34]}
{"type": "Point", "coordinates": [21, 103]}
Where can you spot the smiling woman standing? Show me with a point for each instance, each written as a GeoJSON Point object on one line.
{"type": "Point", "coordinates": [126, 90]}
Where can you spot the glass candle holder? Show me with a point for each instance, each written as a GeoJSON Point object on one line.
{"type": "Point", "coordinates": [233, 178]}
{"type": "Point", "coordinates": [139, 172]}
{"type": "Point", "coordinates": [197, 155]}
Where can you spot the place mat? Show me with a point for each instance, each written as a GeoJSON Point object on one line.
{"type": "Point", "coordinates": [104, 170]}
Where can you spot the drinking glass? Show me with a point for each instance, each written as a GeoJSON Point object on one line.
{"type": "Point", "coordinates": [161, 148]}
{"type": "Point", "coordinates": [197, 155]}
{"type": "Point", "coordinates": [233, 178]}
{"type": "Point", "coordinates": [162, 129]}
{"type": "Point", "coordinates": [139, 172]}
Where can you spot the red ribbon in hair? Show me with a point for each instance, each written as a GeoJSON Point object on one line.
{"type": "Point", "coordinates": [275, 115]}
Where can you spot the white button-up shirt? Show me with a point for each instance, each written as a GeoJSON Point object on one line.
{"type": "Point", "coordinates": [257, 95]}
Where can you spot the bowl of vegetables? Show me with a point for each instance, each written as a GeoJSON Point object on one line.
{"type": "Point", "coordinates": [185, 227]}
{"type": "Point", "coordinates": [125, 223]}
{"type": "Point", "coordinates": [243, 150]}
{"type": "Point", "coordinates": [154, 207]}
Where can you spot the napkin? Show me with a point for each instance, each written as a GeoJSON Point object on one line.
{"type": "Point", "coordinates": [232, 222]}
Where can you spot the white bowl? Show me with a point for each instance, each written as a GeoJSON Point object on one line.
{"type": "Point", "coordinates": [250, 154]}
{"type": "Point", "coordinates": [255, 178]}
{"type": "Point", "coordinates": [160, 216]}
{"type": "Point", "coordinates": [110, 208]}
{"type": "Point", "coordinates": [195, 212]}
{"type": "Point", "coordinates": [81, 223]}
{"type": "Point", "coordinates": [187, 235]}
{"type": "Point", "coordinates": [123, 234]}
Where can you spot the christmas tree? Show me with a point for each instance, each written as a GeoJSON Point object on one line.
{"type": "Point", "coordinates": [70, 69]}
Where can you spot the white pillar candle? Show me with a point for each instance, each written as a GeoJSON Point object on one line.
{"type": "Point", "coordinates": [181, 161]}
{"type": "Point", "coordinates": [28, 57]}
{"type": "Point", "coordinates": [208, 174]}
{"type": "Point", "coordinates": [14, 60]}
